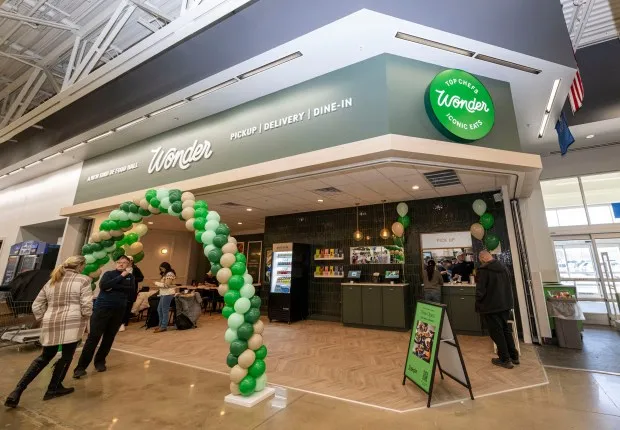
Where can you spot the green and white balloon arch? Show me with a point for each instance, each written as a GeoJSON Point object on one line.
{"type": "Point", "coordinates": [120, 235]}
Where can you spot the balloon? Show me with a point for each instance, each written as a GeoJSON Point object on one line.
{"type": "Point", "coordinates": [261, 353]}
{"type": "Point", "coordinates": [187, 196]}
{"type": "Point", "coordinates": [94, 247]}
{"type": "Point", "coordinates": [222, 289]}
{"type": "Point", "coordinates": [175, 197]}
{"type": "Point", "coordinates": [207, 237]}
{"type": "Point", "coordinates": [215, 268]}
{"type": "Point", "coordinates": [90, 258]}
{"type": "Point", "coordinates": [141, 230]}
{"type": "Point", "coordinates": [135, 248]}
{"type": "Point", "coordinates": [230, 335]}
{"type": "Point", "coordinates": [255, 301]}
{"type": "Point", "coordinates": [257, 368]}
{"type": "Point", "coordinates": [215, 255]}
{"type": "Point", "coordinates": [188, 204]}
{"type": "Point", "coordinates": [227, 311]}
{"type": "Point", "coordinates": [245, 331]}
{"type": "Point", "coordinates": [149, 195]}
{"type": "Point", "coordinates": [131, 238]}
{"type": "Point", "coordinates": [255, 342]}
{"type": "Point", "coordinates": [213, 216]}
{"type": "Point", "coordinates": [199, 223]}
{"type": "Point", "coordinates": [133, 208]}
{"type": "Point", "coordinates": [477, 231]}
{"type": "Point", "coordinates": [252, 316]}
{"type": "Point", "coordinates": [138, 257]}
{"type": "Point", "coordinates": [155, 202]}
{"type": "Point", "coordinates": [247, 386]}
{"type": "Point", "coordinates": [208, 249]}
{"type": "Point", "coordinates": [237, 346]}
{"type": "Point", "coordinates": [232, 240]}
{"type": "Point", "coordinates": [95, 237]}
{"type": "Point", "coordinates": [153, 209]}
{"type": "Point", "coordinates": [118, 254]}
{"type": "Point", "coordinates": [404, 220]}
{"type": "Point", "coordinates": [248, 279]}
{"type": "Point", "coordinates": [237, 373]}
{"type": "Point", "coordinates": [487, 220]}
{"type": "Point", "coordinates": [99, 254]}
{"type": "Point", "coordinates": [144, 204]}
{"type": "Point", "coordinates": [190, 224]}
{"type": "Point", "coordinates": [238, 268]}
{"type": "Point", "coordinates": [235, 282]}
{"type": "Point", "coordinates": [231, 297]}
{"type": "Point", "coordinates": [144, 212]}
{"type": "Point", "coordinates": [223, 230]}
{"type": "Point", "coordinates": [176, 207]}
{"type": "Point", "coordinates": [201, 204]}
{"type": "Point", "coordinates": [223, 275]}
{"type": "Point", "coordinates": [201, 213]}
{"type": "Point", "coordinates": [479, 207]}
{"type": "Point", "coordinates": [104, 235]}
{"type": "Point", "coordinates": [212, 225]}
{"type": "Point", "coordinates": [187, 213]}
{"type": "Point", "coordinates": [124, 224]}
{"type": "Point", "coordinates": [242, 305]}
{"type": "Point", "coordinates": [261, 383]}
{"type": "Point", "coordinates": [246, 358]}
{"type": "Point", "coordinates": [198, 235]}
{"type": "Point", "coordinates": [96, 274]}
{"type": "Point", "coordinates": [231, 360]}
{"type": "Point", "coordinates": [491, 241]}
{"type": "Point", "coordinates": [90, 268]}
{"type": "Point", "coordinates": [227, 260]}
{"type": "Point", "coordinates": [102, 261]}
{"type": "Point", "coordinates": [235, 320]}
{"type": "Point", "coordinates": [259, 327]}
{"type": "Point", "coordinates": [165, 203]}
{"type": "Point", "coordinates": [162, 192]}
{"type": "Point", "coordinates": [240, 258]}
{"type": "Point", "coordinates": [402, 209]}
{"type": "Point", "coordinates": [229, 248]}
{"type": "Point", "coordinates": [116, 234]}
{"type": "Point", "coordinates": [234, 389]}
{"type": "Point", "coordinates": [398, 229]}
{"type": "Point", "coordinates": [247, 291]}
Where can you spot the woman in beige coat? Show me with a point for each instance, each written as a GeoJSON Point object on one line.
{"type": "Point", "coordinates": [63, 306]}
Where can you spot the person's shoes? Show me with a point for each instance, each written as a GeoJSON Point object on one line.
{"type": "Point", "coordinates": [500, 363]}
{"type": "Point", "coordinates": [100, 367]}
{"type": "Point", "coordinates": [59, 392]}
{"type": "Point", "coordinates": [515, 361]}
{"type": "Point", "coordinates": [13, 399]}
{"type": "Point", "coordinates": [121, 328]}
{"type": "Point", "coordinates": [160, 330]}
{"type": "Point", "coordinates": [79, 373]}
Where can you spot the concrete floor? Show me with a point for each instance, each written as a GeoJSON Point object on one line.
{"type": "Point", "coordinates": [141, 393]}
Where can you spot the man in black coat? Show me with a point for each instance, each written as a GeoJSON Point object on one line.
{"type": "Point", "coordinates": [494, 301]}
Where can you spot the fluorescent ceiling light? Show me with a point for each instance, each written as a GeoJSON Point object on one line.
{"type": "Point", "coordinates": [433, 44]}
{"type": "Point", "coordinates": [589, 136]}
{"type": "Point", "coordinates": [51, 156]}
{"type": "Point", "coordinates": [270, 65]}
{"type": "Point", "coordinates": [554, 91]}
{"type": "Point", "coordinates": [28, 166]}
{"type": "Point", "coordinates": [15, 171]}
{"type": "Point", "coordinates": [37, 126]}
{"type": "Point", "coordinates": [507, 64]}
{"type": "Point", "coordinates": [543, 125]}
{"type": "Point", "coordinates": [129, 124]}
{"type": "Point", "coordinates": [4, 176]}
{"type": "Point", "coordinates": [167, 108]}
{"type": "Point", "coordinates": [71, 148]}
{"type": "Point", "coordinates": [215, 88]}
{"type": "Point", "coordinates": [101, 136]}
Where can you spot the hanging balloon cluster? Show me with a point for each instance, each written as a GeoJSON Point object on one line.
{"type": "Point", "coordinates": [480, 230]}
{"type": "Point", "coordinates": [244, 333]}
{"type": "Point", "coordinates": [399, 227]}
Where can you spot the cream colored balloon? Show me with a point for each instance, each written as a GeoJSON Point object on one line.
{"type": "Point", "coordinates": [135, 248]}
{"type": "Point", "coordinates": [234, 389]}
{"type": "Point", "coordinates": [187, 213]}
{"type": "Point", "coordinates": [105, 235]}
{"type": "Point", "coordinates": [116, 233]}
{"type": "Point", "coordinates": [144, 204]}
{"type": "Point", "coordinates": [126, 229]}
{"type": "Point", "coordinates": [189, 224]}
{"type": "Point", "coordinates": [223, 275]}
{"type": "Point", "coordinates": [95, 237]}
{"type": "Point", "coordinates": [237, 373]}
{"type": "Point", "coordinates": [246, 358]}
{"type": "Point", "coordinates": [259, 327]}
{"type": "Point", "coordinates": [232, 240]}
{"type": "Point", "coordinates": [137, 200]}
{"type": "Point", "coordinates": [222, 289]}
{"type": "Point", "coordinates": [141, 229]}
{"type": "Point", "coordinates": [187, 196]}
{"type": "Point", "coordinates": [153, 210]}
{"type": "Point", "coordinates": [229, 248]}
{"type": "Point", "coordinates": [227, 260]}
{"type": "Point", "coordinates": [188, 204]}
{"type": "Point", "coordinates": [255, 342]}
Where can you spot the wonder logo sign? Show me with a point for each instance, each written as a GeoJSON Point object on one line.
{"type": "Point", "coordinates": [459, 106]}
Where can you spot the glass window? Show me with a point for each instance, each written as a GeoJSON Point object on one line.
{"type": "Point", "coordinates": [552, 218]}
{"type": "Point", "coordinates": [564, 195]}
{"type": "Point", "coordinates": [600, 214]}
{"type": "Point", "coordinates": [600, 191]}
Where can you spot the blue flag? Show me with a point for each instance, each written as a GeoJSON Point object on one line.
{"type": "Point", "coordinates": [565, 137]}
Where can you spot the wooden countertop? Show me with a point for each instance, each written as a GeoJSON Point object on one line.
{"type": "Point", "coordinates": [370, 284]}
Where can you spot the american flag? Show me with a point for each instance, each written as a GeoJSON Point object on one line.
{"type": "Point", "coordinates": [575, 96]}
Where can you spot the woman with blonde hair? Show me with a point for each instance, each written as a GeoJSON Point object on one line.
{"type": "Point", "coordinates": [63, 306]}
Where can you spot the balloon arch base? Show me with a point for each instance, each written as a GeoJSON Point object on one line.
{"type": "Point", "coordinates": [252, 400]}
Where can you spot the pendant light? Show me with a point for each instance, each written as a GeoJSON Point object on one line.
{"type": "Point", "coordinates": [385, 233]}
{"type": "Point", "coordinates": [357, 235]}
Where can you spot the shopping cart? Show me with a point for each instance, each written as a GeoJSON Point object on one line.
{"type": "Point", "coordinates": [17, 324]}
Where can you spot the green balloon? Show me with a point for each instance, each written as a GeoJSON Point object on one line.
{"type": "Point", "coordinates": [257, 368]}
{"type": "Point", "coordinates": [255, 301]}
{"type": "Point", "coordinates": [231, 360]}
{"type": "Point", "coordinates": [149, 195]}
{"type": "Point", "coordinates": [231, 297]}
{"type": "Point", "coordinates": [199, 223]}
{"type": "Point", "coordinates": [94, 247]}
{"type": "Point", "coordinates": [215, 255]}
{"type": "Point", "coordinates": [106, 243]}
{"type": "Point", "coordinates": [404, 220]}
{"type": "Point", "coordinates": [118, 238]}
{"type": "Point", "coordinates": [176, 207]}
{"type": "Point", "coordinates": [125, 206]}
{"type": "Point", "coordinates": [238, 269]}
{"type": "Point", "coordinates": [223, 230]}
{"type": "Point", "coordinates": [245, 331]}
{"type": "Point", "coordinates": [102, 261]}
{"type": "Point", "coordinates": [200, 213]}
{"type": "Point", "coordinates": [237, 347]}
{"type": "Point", "coordinates": [138, 257]}
{"type": "Point", "coordinates": [198, 235]}
{"type": "Point", "coordinates": [398, 241]}
{"type": "Point", "coordinates": [247, 386]}
{"type": "Point", "coordinates": [235, 282]}
{"type": "Point", "coordinates": [261, 353]}
{"type": "Point", "coordinates": [252, 315]}
{"type": "Point", "coordinates": [240, 258]}
{"type": "Point", "coordinates": [174, 196]}
{"type": "Point", "coordinates": [162, 210]}
{"type": "Point", "coordinates": [86, 249]}
{"type": "Point", "coordinates": [491, 241]}
{"type": "Point", "coordinates": [132, 238]}
{"type": "Point", "coordinates": [227, 311]}
{"type": "Point", "coordinates": [220, 240]}
{"type": "Point", "coordinates": [155, 202]}
{"type": "Point", "coordinates": [201, 204]}
{"type": "Point", "coordinates": [90, 268]}
{"type": "Point", "coordinates": [118, 254]}
{"type": "Point", "coordinates": [215, 268]}
{"type": "Point", "coordinates": [133, 208]}
{"type": "Point", "coordinates": [124, 224]}
{"type": "Point", "coordinates": [487, 220]}
{"type": "Point", "coordinates": [144, 212]}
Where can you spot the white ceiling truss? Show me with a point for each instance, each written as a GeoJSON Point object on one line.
{"type": "Point", "coordinates": [591, 21]}
{"type": "Point", "coordinates": [46, 46]}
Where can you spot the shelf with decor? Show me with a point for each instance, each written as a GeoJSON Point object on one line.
{"type": "Point", "coordinates": [328, 276]}
{"type": "Point", "coordinates": [329, 259]}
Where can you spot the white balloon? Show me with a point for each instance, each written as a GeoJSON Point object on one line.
{"type": "Point", "coordinates": [188, 213]}
{"type": "Point", "coordinates": [230, 335]}
{"type": "Point", "coordinates": [402, 208]}
{"type": "Point", "coordinates": [154, 210]}
{"type": "Point", "coordinates": [247, 291]}
{"type": "Point", "coordinates": [235, 320]}
{"type": "Point", "coordinates": [135, 217]}
{"type": "Point", "coordinates": [188, 204]}
{"type": "Point", "coordinates": [141, 229]}
{"type": "Point", "coordinates": [95, 237]}
{"type": "Point", "coordinates": [227, 260]}
{"type": "Point", "coordinates": [222, 289]}
{"type": "Point", "coordinates": [232, 240]}
{"type": "Point", "coordinates": [115, 214]}
{"type": "Point", "coordinates": [144, 204]}
{"type": "Point", "coordinates": [207, 237]}
{"type": "Point", "coordinates": [110, 248]}
{"type": "Point", "coordinates": [248, 279]}
{"type": "Point", "coordinates": [123, 216]}
{"type": "Point", "coordinates": [189, 224]}
{"type": "Point", "coordinates": [213, 216]}
{"type": "Point", "coordinates": [242, 305]}
{"type": "Point", "coordinates": [208, 249]}
{"type": "Point", "coordinates": [105, 235]}
{"type": "Point", "coordinates": [187, 196]}
{"type": "Point", "coordinates": [161, 193]}
{"type": "Point", "coordinates": [223, 275]}
{"type": "Point", "coordinates": [229, 248]}
{"type": "Point", "coordinates": [99, 254]}
{"type": "Point", "coordinates": [165, 203]}
{"type": "Point", "coordinates": [259, 327]}
{"type": "Point", "coordinates": [173, 213]}
{"type": "Point", "coordinates": [211, 225]}
{"type": "Point", "coordinates": [90, 258]}
{"type": "Point", "coordinates": [115, 233]}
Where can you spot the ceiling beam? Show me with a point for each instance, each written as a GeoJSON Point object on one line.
{"type": "Point", "coordinates": [29, 19]}
{"type": "Point", "coordinates": [587, 7]}
{"type": "Point", "coordinates": [151, 10]}
{"type": "Point", "coordinates": [12, 31]}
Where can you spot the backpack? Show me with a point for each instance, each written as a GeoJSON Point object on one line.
{"type": "Point", "coordinates": [183, 322]}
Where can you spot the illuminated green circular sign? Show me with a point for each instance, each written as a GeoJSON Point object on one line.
{"type": "Point", "coordinates": [459, 106]}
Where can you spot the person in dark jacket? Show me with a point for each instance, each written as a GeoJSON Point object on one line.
{"type": "Point", "coordinates": [115, 287]}
{"type": "Point", "coordinates": [133, 295]}
{"type": "Point", "coordinates": [463, 269]}
{"type": "Point", "coordinates": [494, 302]}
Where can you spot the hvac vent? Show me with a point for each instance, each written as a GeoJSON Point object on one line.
{"type": "Point", "coordinates": [328, 190]}
{"type": "Point", "coordinates": [231, 204]}
{"type": "Point", "coordinates": [442, 178]}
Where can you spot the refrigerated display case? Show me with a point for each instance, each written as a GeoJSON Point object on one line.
{"type": "Point", "coordinates": [30, 255]}
{"type": "Point", "coordinates": [288, 294]}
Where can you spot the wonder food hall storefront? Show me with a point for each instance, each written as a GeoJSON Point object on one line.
{"type": "Point", "coordinates": [293, 165]}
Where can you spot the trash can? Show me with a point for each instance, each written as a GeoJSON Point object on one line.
{"type": "Point", "coordinates": [567, 315]}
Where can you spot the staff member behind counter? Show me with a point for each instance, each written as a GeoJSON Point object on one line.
{"type": "Point", "coordinates": [462, 268]}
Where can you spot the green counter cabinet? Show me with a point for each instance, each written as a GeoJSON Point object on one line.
{"type": "Point", "coordinates": [461, 308]}
{"type": "Point", "coordinates": [371, 305]}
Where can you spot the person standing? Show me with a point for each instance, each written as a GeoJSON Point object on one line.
{"type": "Point", "coordinates": [63, 305]}
{"type": "Point", "coordinates": [494, 301]}
{"type": "Point", "coordinates": [115, 287]}
{"type": "Point", "coordinates": [433, 282]}
{"type": "Point", "coordinates": [133, 295]}
{"type": "Point", "coordinates": [166, 294]}
{"type": "Point", "coordinates": [463, 269]}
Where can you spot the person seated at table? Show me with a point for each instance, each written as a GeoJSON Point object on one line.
{"type": "Point", "coordinates": [210, 279]}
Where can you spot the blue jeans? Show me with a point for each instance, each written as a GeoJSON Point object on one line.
{"type": "Point", "coordinates": [163, 308]}
{"type": "Point", "coordinates": [432, 296]}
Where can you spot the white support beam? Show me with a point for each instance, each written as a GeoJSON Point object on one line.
{"type": "Point", "coordinates": [185, 6]}
{"type": "Point", "coordinates": [151, 10]}
{"type": "Point", "coordinates": [12, 31]}
{"type": "Point", "coordinates": [52, 80]}
{"type": "Point", "coordinates": [28, 63]}
{"type": "Point", "coordinates": [30, 95]}
{"type": "Point", "coordinates": [37, 21]}
{"type": "Point", "coordinates": [72, 61]}
{"type": "Point", "coordinates": [15, 105]}
{"type": "Point", "coordinates": [585, 8]}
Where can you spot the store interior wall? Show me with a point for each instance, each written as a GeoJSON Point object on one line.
{"type": "Point", "coordinates": [33, 202]}
{"type": "Point", "coordinates": [45, 232]}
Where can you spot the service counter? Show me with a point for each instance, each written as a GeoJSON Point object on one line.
{"type": "Point", "coordinates": [376, 305]}
{"type": "Point", "coordinates": [461, 307]}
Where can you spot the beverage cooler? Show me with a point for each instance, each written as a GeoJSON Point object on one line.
{"type": "Point", "coordinates": [30, 255]}
{"type": "Point", "coordinates": [288, 294]}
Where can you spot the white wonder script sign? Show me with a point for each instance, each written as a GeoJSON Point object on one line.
{"type": "Point", "coordinates": [453, 239]}
{"type": "Point", "coordinates": [181, 157]}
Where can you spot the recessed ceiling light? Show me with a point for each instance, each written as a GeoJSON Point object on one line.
{"type": "Point", "coordinates": [320, 200]}
{"type": "Point", "coordinates": [240, 223]}
{"type": "Point", "coordinates": [433, 44]}
{"type": "Point", "coordinates": [150, 222]}
{"type": "Point", "coordinates": [416, 187]}
{"type": "Point", "coordinates": [101, 136]}
{"type": "Point", "coordinates": [589, 136]}
{"type": "Point", "coordinates": [249, 209]}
